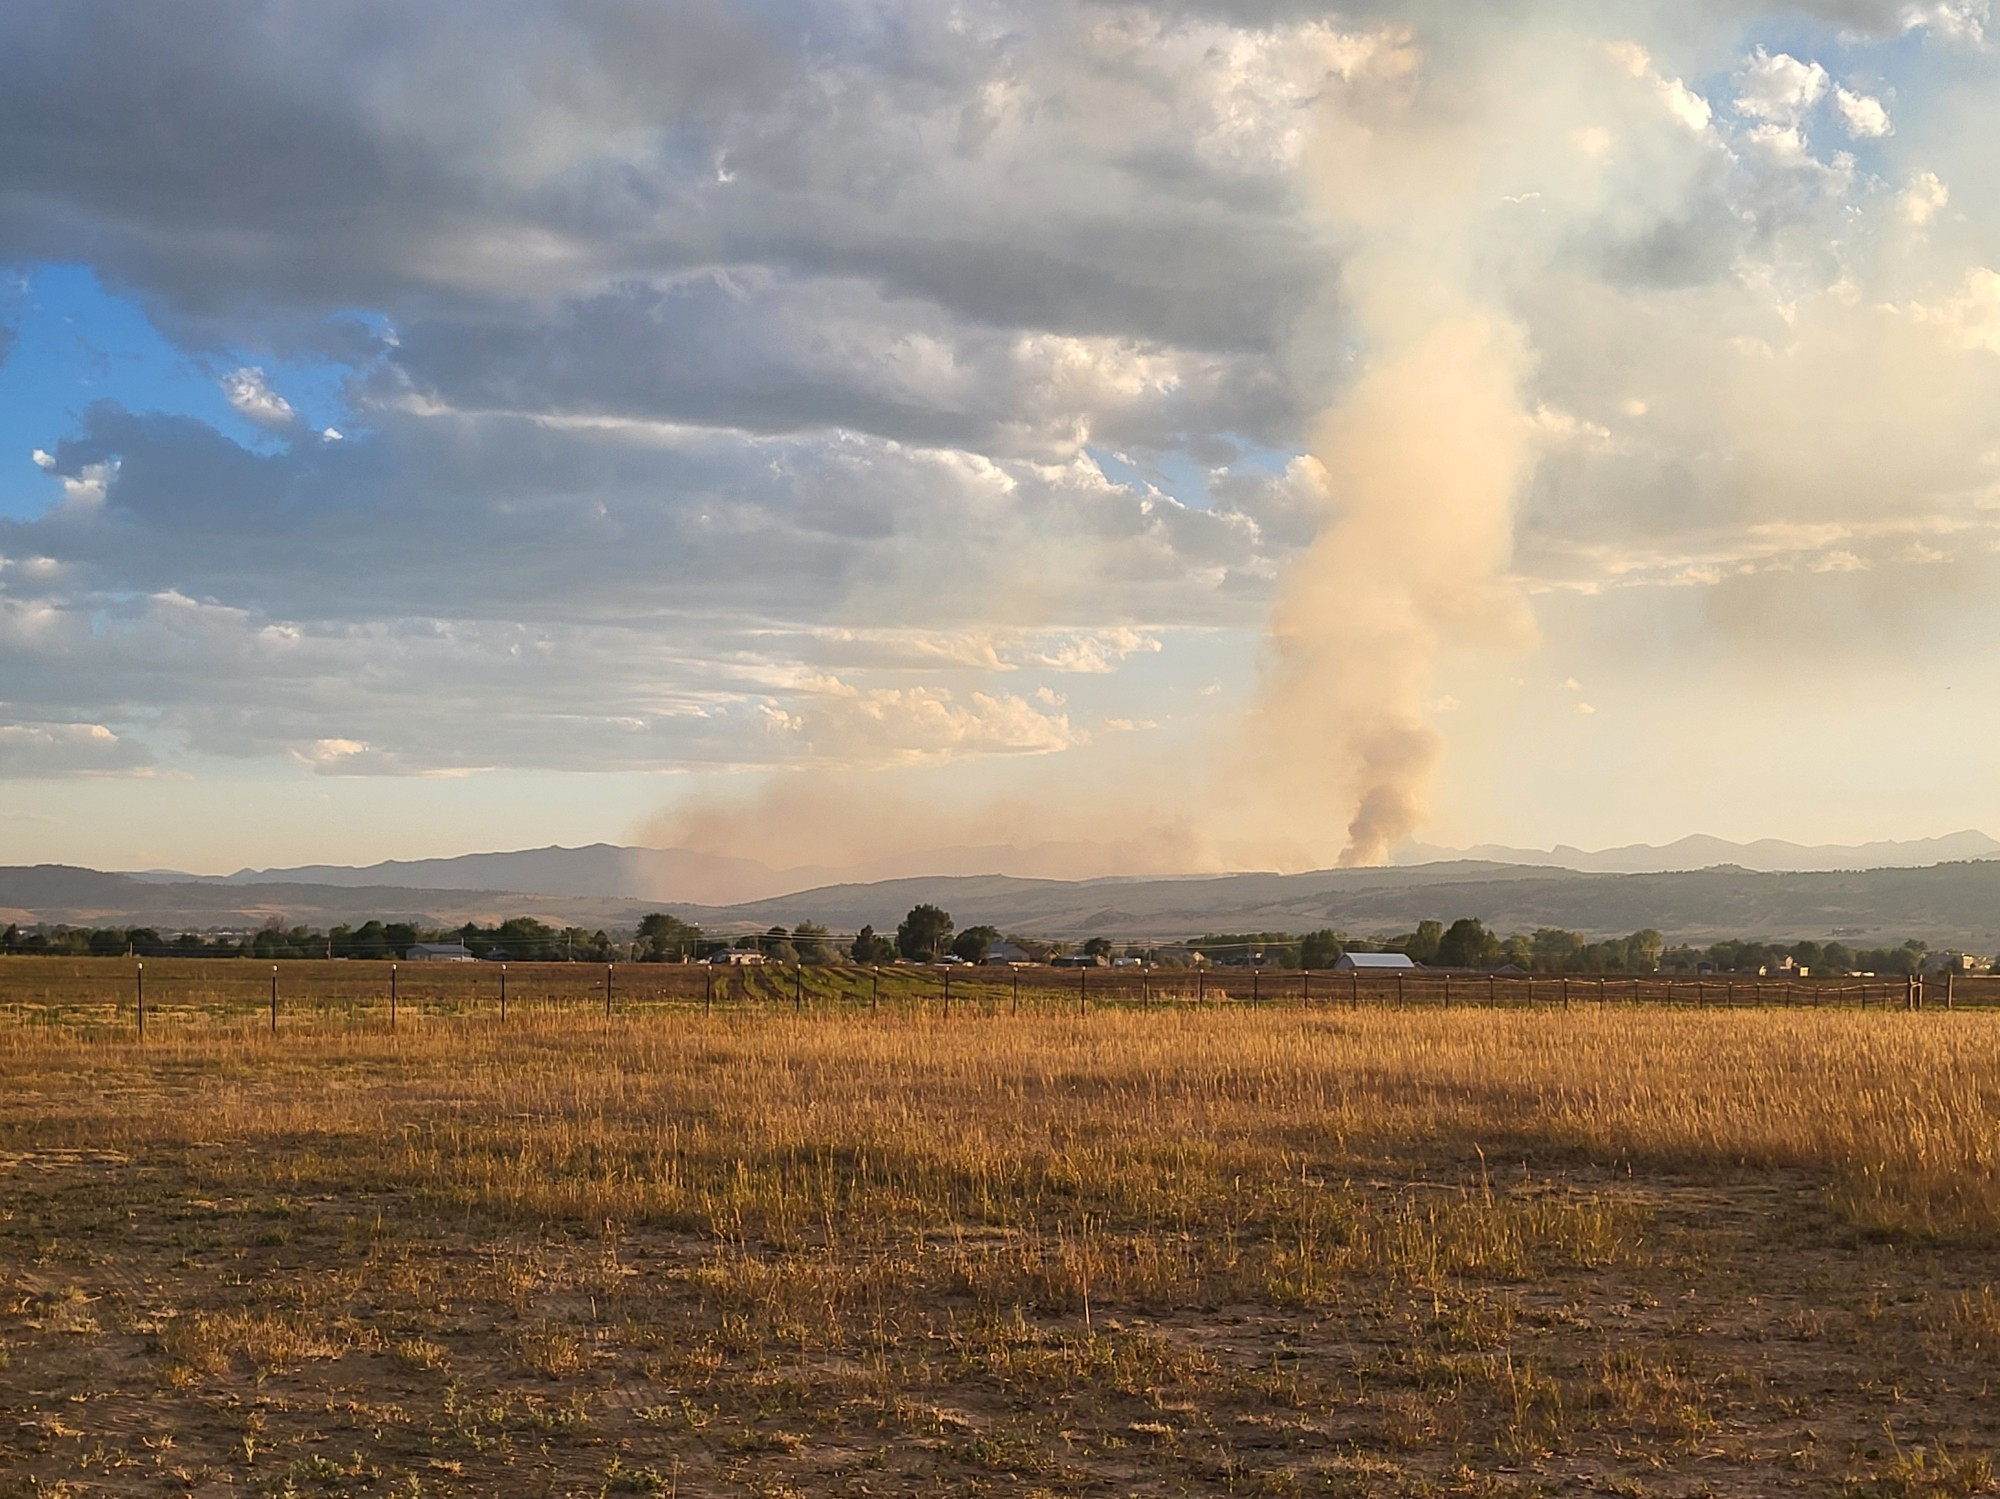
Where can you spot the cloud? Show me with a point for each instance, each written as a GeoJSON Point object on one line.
{"type": "Point", "coordinates": [1864, 116]}
{"type": "Point", "coordinates": [250, 394]}
{"type": "Point", "coordinates": [1971, 316]}
{"type": "Point", "coordinates": [35, 750]}
{"type": "Point", "coordinates": [846, 727]}
{"type": "Point", "coordinates": [1778, 88]}
{"type": "Point", "coordinates": [732, 388]}
{"type": "Point", "coordinates": [1923, 198]}
{"type": "Point", "coordinates": [1956, 20]}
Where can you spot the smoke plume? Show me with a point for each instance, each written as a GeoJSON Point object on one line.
{"type": "Point", "coordinates": [1424, 456]}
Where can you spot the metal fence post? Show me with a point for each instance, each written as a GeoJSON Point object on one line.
{"type": "Point", "coordinates": [392, 996]}
{"type": "Point", "coordinates": [1081, 975]}
{"type": "Point", "coordinates": [274, 999]}
{"type": "Point", "coordinates": [141, 995]}
{"type": "Point", "coordinates": [607, 991]}
{"type": "Point", "coordinates": [503, 991]}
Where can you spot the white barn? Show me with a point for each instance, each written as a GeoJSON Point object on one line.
{"type": "Point", "coordinates": [440, 952]}
{"type": "Point", "coordinates": [1373, 962]}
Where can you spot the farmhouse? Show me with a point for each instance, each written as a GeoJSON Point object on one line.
{"type": "Point", "coordinates": [440, 952]}
{"type": "Point", "coordinates": [1373, 962]}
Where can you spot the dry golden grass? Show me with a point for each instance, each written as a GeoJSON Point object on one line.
{"type": "Point", "coordinates": [1276, 1251]}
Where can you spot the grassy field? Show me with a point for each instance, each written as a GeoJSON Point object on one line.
{"type": "Point", "coordinates": [1222, 1250]}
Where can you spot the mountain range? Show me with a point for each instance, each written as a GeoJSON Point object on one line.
{"type": "Point", "coordinates": [1700, 851]}
{"type": "Point", "coordinates": [606, 871]}
{"type": "Point", "coordinates": [1954, 904]}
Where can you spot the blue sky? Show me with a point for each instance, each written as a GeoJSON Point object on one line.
{"type": "Point", "coordinates": [75, 343]}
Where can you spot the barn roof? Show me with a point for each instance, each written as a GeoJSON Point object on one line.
{"type": "Point", "coordinates": [1377, 960]}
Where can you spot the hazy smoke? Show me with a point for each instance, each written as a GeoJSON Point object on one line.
{"type": "Point", "coordinates": [836, 825]}
{"type": "Point", "coordinates": [1424, 456]}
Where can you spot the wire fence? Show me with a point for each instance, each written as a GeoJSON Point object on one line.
{"type": "Point", "coordinates": [111, 993]}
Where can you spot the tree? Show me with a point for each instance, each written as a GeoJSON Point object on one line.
{"type": "Point", "coordinates": [1422, 944]}
{"type": "Point", "coordinates": [975, 942]}
{"type": "Point", "coordinates": [924, 933]}
{"type": "Point", "coordinates": [1643, 949]}
{"type": "Point", "coordinates": [870, 947]}
{"type": "Point", "coordinates": [1097, 947]}
{"type": "Point", "coordinates": [664, 938]}
{"type": "Point", "coordinates": [1321, 949]}
{"type": "Point", "coordinates": [1556, 951]}
{"type": "Point", "coordinates": [809, 937]}
{"type": "Point", "coordinates": [1467, 944]}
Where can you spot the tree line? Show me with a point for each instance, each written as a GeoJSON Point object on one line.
{"type": "Point", "coordinates": [521, 938]}
{"type": "Point", "coordinates": [928, 934]}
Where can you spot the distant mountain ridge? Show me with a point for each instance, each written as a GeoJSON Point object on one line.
{"type": "Point", "coordinates": [597, 870]}
{"type": "Point", "coordinates": [1946, 905]}
{"type": "Point", "coordinates": [604, 871]}
{"type": "Point", "coordinates": [1700, 851]}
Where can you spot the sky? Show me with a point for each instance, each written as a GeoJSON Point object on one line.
{"type": "Point", "coordinates": [1175, 437]}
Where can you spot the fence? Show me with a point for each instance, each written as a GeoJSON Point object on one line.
{"type": "Point", "coordinates": [120, 993]}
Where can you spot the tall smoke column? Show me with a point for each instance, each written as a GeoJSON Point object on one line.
{"type": "Point", "coordinates": [1424, 456]}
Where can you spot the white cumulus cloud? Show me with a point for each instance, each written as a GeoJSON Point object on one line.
{"type": "Point", "coordinates": [1864, 115]}
{"type": "Point", "coordinates": [1779, 88]}
{"type": "Point", "coordinates": [250, 393]}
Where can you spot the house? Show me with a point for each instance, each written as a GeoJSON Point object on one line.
{"type": "Point", "coordinates": [1958, 962]}
{"type": "Point", "coordinates": [1373, 962]}
{"type": "Point", "coordinates": [1005, 954]}
{"type": "Point", "coordinates": [1077, 960]}
{"type": "Point", "coordinates": [440, 952]}
{"type": "Point", "coordinates": [739, 957]}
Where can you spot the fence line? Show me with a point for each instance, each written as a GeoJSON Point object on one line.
{"type": "Point", "coordinates": [147, 995]}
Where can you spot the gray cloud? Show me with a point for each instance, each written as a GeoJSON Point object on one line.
{"type": "Point", "coordinates": [67, 749]}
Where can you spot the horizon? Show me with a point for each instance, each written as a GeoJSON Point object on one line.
{"type": "Point", "coordinates": [1413, 854]}
{"type": "Point", "coordinates": [635, 874]}
{"type": "Point", "coordinates": [1179, 442]}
